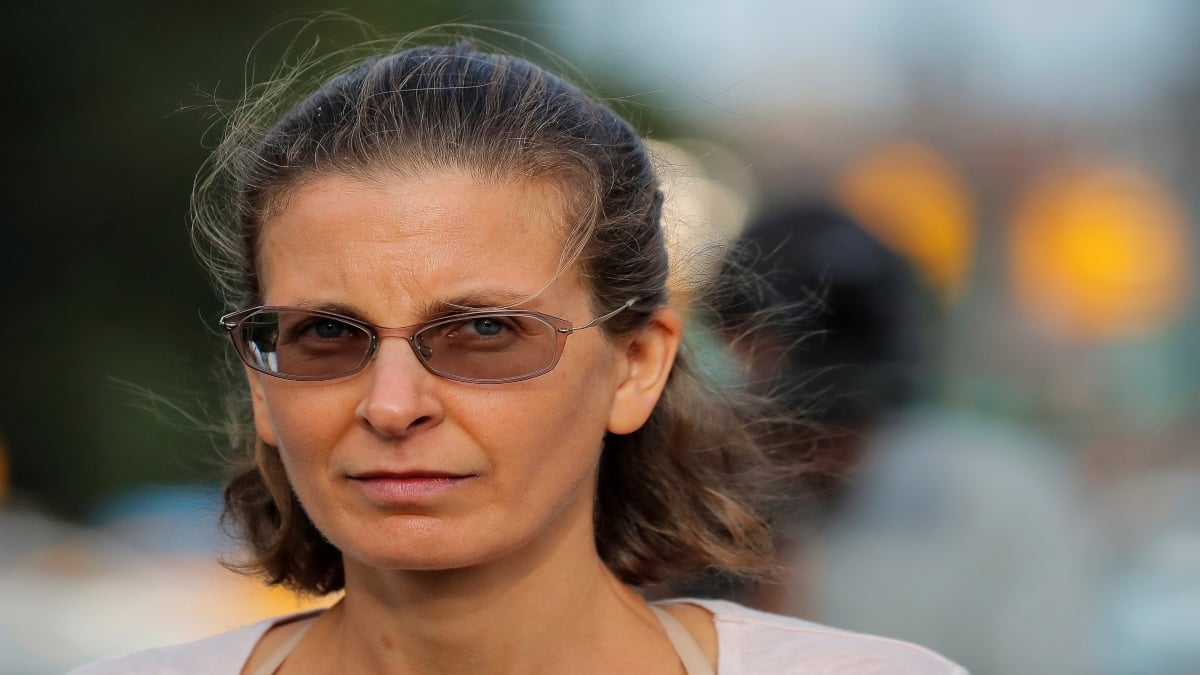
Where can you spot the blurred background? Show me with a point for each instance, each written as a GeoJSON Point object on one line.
{"type": "Point", "coordinates": [998, 201]}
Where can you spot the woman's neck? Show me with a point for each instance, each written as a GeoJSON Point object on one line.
{"type": "Point", "coordinates": [550, 607]}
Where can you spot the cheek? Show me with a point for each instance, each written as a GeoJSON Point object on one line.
{"type": "Point", "coordinates": [307, 424]}
{"type": "Point", "coordinates": [556, 426]}
{"type": "Point", "coordinates": [543, 454]}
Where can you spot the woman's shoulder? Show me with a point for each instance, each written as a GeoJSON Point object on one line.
{"type": "Point", "coordinates": [223, 653]}
{"type": "Point", "coordinates": [750, 641]}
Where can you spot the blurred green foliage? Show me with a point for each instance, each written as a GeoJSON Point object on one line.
{"type": "Point", "coordinates": [107, 307]}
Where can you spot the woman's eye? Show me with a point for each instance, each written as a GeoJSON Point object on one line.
{"type": "Point", "coordinates": [320, 328]}
{"type": "Point", "coordinates": [479, 328]}
{"type": "Point", "coordinates": [487, 326]}
{"type": "Point", "coordinates": [329, 328]}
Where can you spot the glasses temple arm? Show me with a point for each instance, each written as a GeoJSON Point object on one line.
{"type": "Point", "coordinates": [601, 319]}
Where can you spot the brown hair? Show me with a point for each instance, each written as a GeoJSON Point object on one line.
{"type": "Point", "coordinates": [674, 498]}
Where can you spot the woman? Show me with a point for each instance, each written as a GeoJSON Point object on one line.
{"type": "Point", "coordinates": [468, 408]}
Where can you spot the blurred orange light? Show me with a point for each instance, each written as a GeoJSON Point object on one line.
{"type": "Point", "coordinates": [1100, 252]}
{"type": "Point", "coordinates": [914, 201]}
{"type": "Point", "coordinates": [256, 601]}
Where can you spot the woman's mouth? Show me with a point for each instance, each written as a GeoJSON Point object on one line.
{"type": "Point", "coordinates": [408, 486]}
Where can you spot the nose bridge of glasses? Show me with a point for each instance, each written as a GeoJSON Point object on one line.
{"type": "Point", "coordinates": [407, 333]}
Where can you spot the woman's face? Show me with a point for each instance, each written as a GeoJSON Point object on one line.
{"type": "Point", "coordinates": [400, 468]}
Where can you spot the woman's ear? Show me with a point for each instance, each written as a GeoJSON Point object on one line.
{"type": "Point", "coordinates": [262, 419]}
{"type": "Point", "coordinates": [648, 358]}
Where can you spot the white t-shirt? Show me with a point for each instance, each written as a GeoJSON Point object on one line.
{"type": "Point", "coordinates": [749, 642]}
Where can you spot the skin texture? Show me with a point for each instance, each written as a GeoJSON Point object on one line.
{"type": "Point", "coordinates": [482, 574]}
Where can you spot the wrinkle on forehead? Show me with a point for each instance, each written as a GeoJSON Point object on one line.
{"type": "Point", "coordinates": [448, 225]}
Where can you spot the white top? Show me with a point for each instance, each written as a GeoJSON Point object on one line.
{"type": "Point", "coordinates": [749, 642]}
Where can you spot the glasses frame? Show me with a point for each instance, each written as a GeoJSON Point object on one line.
{"type": "Point", "coordinates": [562, 329]}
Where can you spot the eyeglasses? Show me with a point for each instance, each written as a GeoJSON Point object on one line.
{"type": "Point", "coordinates": [485, 347]}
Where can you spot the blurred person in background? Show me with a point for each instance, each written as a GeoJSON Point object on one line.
{"type": "Point", "coordinates": [487, 494]}
{"type": "Point", "coordinates": [1151, 606]}
{"type": "Point", "coordinates": [929, 524]}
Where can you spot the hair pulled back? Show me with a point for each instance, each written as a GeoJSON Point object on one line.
{"type": "Point", "coordinates": [673, 498]}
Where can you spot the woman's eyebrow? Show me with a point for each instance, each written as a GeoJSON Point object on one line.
{"type": "Point", "coordinates": [492, 298]}
{"type": "Point", "coordinates": [341, 308]}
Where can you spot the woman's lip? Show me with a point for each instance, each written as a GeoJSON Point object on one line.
{"type": "Point", "coordinates": [408, 486]}
{"type": "Point", "coordinates": [405, 475]}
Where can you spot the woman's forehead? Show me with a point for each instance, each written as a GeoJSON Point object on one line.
{"type": "Point", "coordinates": [437, 237]}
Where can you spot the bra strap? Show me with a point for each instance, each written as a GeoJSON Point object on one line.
{"type": "Point", "coordinates": [689, 652]}
{"type": "Point", "coordinates": [281, 653]}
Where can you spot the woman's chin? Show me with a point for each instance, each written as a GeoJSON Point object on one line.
{"type": "Point", "coordinates": [418, 553]}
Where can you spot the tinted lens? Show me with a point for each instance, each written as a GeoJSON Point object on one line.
{"type": "Point", "coordinates": [302, 345]}
{"type": "Point", "coordinates": [488, 347]}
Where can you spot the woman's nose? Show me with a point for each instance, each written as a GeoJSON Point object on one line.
{"type": "Point", "coordinates": [399, 399]}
